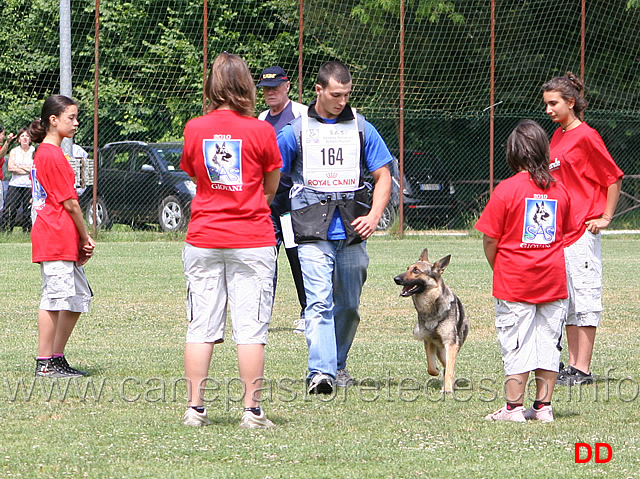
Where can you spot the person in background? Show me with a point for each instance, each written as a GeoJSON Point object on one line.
{"type": "Point", "coordinates": [229, 254]}
{"type": "Point", "coordinates": [59, 239]}
{"type": "Point", "coordinates": [326, 151]}
{"type": "Point", "coordinates": [275, 86]}
{"type": "Point", "coordinates": [580, 161]}
{"type": "Point", "coordinates": [19, 191]}
{"type": "Point", "coordinates": [3, 151]}
{"type": "Point", "coordinates": [524, 226]}
{"type": "Point", "coordinates": [78, 152]}
{"type": "Point", "coordinates": [5, 141]}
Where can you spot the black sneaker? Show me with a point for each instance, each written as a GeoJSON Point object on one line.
{"type": "Point", "coordinates": [62, 365]}
{"type": "Point", "coordinates": [581, 378]}
{"type": "Point", "coordinates": [563, 376]}
{"type": "Point", "coordinates": [320, 383]}
{"type": "Point", "coordinates": [571, 376]}
{"type": "Point", "coordinates": [46, 369]}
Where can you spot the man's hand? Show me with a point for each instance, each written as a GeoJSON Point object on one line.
{"type": "Point", "coordinates": [365, 226]}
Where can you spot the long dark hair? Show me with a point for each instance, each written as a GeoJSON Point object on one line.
{"type": "Point", "coordinates": [528, 150]}
{"type": "Point", "coordinates": [569, 86]}
{"type": "Point", "coordinates": [54, 105]}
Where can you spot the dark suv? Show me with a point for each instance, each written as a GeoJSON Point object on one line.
{"type": "Point", "coordinates": [429, 194]}
{"type": "Point", "coordinates": [429, 197]}
{"type": "Point", "coordinates": [140, 183]}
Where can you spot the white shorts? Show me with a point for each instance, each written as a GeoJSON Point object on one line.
{"type": "Point", "coordinates": [64, 287]}
{"type": "Point", "coordinates": [242, 277]}
{"type": "Point", "coordinates": [528, 334]}
{"type": "Point", "coordinates": [584, 281]}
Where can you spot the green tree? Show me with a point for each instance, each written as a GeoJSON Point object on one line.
{"type": "Point", "coordinates": [151, 65]}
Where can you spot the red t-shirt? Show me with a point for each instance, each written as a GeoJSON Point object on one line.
{"type": "Point", "coordinates": [229, 154]}
{"type": "Point", "coordinates": [54, 236]}
{"type": "Point", "coordinates": [530, 225]}
{"type": "Point", "coordinates": [580, 161]}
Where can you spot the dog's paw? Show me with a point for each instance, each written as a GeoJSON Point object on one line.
{"type": "Point", "coordinates": [446, 391]}
{"type": "Point", "coordinates": [433, 372]}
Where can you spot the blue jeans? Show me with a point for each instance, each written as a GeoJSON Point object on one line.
{"type": "Point", "coordinates": [334, 274]}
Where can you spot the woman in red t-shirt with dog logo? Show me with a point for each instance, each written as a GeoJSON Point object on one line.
{"type": "Point", "coordinates": [229, 254]}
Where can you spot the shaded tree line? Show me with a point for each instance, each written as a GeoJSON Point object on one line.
{"type": "Point", "coordinates": [151, 57]}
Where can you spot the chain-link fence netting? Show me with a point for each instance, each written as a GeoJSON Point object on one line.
{"type": "Point", "coordinates": [150, 76]}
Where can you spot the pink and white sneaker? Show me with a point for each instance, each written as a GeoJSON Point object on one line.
{"type": "Point", "coordinates": [544, 414]}
{"type": "Point", "coordinates": [503, 414]}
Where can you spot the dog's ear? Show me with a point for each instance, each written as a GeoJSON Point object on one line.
{"type": "Point", "coordinates": [424, 256]}
{"type": "Point", "coordinates": [442, 264]}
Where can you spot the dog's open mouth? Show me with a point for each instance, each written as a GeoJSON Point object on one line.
{"type": "Point", "coordinates": [410, 289]}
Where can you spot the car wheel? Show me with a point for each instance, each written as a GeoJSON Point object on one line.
{"type": "Point", "coordinates": [171, 214]}
{"type": "Point", "coordinates": [102, 215]}
{"type": "Point", "coordinates": [387, 218]}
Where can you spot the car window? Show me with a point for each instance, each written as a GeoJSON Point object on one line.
{"type": "Point", "coordinates": [120, 161]}
{"type": "Point", "coordinates": [139, 158]}
{"type": "Point", "coordinates": [105, 159]}
{"type": "Point", "coordinates": [172, 157]}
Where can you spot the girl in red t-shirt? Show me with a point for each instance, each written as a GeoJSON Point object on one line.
{"type": "Point", "coordinates": [59, 239]}
{"type": "Point", "coordinates": [524, 226]}
{"type": "Point", "coordinates": [581, 162]}
{"type": "Point", "coordinates": [230, 254]}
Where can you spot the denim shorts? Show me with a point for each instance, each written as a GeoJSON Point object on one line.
{"type": "Point", "coordinates": [584, 281]}
{"type": "Point", "coordinates": [241, 278]}
{"type": "Point", "coordinates": [64, 287]}
{"type": "Point", "coordinates": [528, 334]}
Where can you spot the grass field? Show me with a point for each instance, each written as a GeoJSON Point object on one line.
{"type": "Point", "coordinates": [124, 421]}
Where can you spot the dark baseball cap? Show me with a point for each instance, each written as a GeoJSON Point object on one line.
{"type": "Point", "coordinates": [272, 77]}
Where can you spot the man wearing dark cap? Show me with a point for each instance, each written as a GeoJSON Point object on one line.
{"type": "Point", "coordinates": [275, 85]}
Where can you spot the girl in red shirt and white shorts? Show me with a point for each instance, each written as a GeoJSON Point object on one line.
{"type": "Point", "coordinates": [524, 226]}
{"type": "Point", "coordinates": [580, 161]}
{"type": "Point", "coordinates": [59, 239]}
{"type": "Point", "coordinates": [229, 255]}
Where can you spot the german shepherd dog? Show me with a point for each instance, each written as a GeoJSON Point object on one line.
{"type": "Point", "coordinates": [441, 321]}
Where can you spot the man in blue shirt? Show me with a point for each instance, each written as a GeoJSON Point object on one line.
{"type": "Point", "coordinates": [326, 151]}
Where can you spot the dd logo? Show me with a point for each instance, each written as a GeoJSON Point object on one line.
{"type": "Point", "coordinates": [598, 446]}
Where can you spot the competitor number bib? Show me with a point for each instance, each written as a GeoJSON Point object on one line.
{"type": "Point", "coordinates": [331, 155]}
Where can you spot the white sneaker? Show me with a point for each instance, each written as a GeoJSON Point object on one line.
{"type": "Point", "coordinates": [194, 418]}
{"type": "Point", "coordinates": [251, 421]}
{"type": "Point", "coordinates": [502, 414]}
{"type": "Point", "coordinates": [343, 378]}
{"type": "Point", "coordinates": [298, 326]}
{"type": "Point", "coordinates": [544, 414]}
